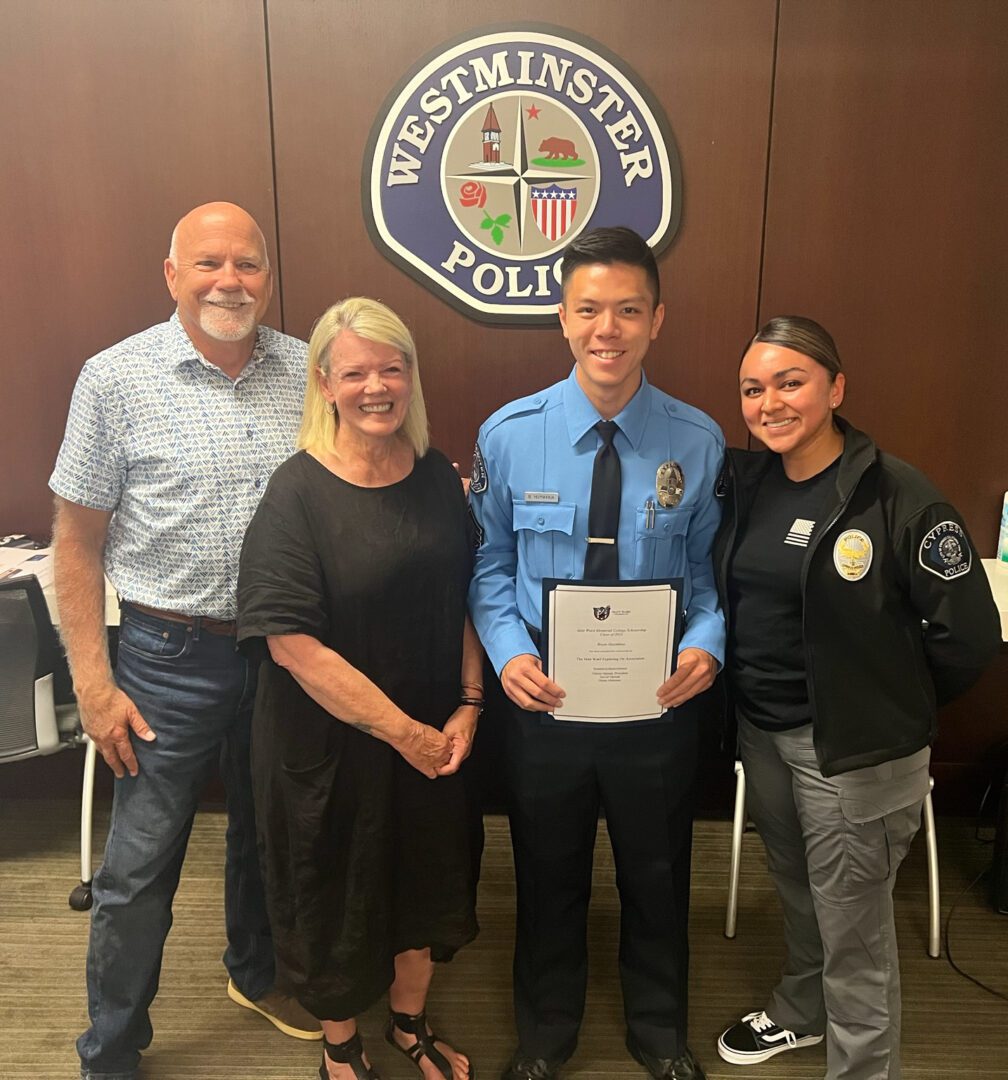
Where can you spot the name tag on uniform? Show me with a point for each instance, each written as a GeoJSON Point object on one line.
{"type": "Point", "coordinates": [542, 496]}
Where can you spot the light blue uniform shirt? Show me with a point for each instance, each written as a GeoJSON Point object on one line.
{"type": "Point", "coordinates": [546, 444]}
{"type": "Point", "coordinates": [181, 454]}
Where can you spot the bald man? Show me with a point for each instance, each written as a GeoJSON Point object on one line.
{"type": "Point", "coordinates": [171, 437]}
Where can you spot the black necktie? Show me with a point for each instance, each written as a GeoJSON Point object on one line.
{"type": "Point", "coordinates": [602, 559]}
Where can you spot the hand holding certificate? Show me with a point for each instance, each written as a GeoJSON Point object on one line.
{"type": "Point", "coordinates": [610, 646]}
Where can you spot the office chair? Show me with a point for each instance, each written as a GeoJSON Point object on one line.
{"type": "Point", "coordinates": [32, 724]}
{"type": "Point", "coordinates": [738, 827]}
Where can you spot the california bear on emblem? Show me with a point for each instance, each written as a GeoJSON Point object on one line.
{"type": "Point", "coordinates": [852, 554]}
{"type": "Point", "coordinates": [945, 551]}
{"type": "Point", "coordinates": [478, 481]}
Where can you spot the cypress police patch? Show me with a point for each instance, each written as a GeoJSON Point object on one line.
{"type": "Point", "coordinates": [852, 554]}
{"type": "Point", "coordinates": [945, 551]}
{"type": "Point", "coordinates": [498, 149]}
{"type": "Point", "coordinates": [478, 480]}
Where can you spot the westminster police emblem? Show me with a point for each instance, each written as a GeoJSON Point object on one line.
{"type": "Point", "coordinates": [852, 554]}
{"type": "Point", "coordinates": [945, 551]}
{"type": "Point", "coordinates": [478, 480]}
{"type": "Point", "coordinates": [494, 152]}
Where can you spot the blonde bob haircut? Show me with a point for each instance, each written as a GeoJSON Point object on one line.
{"type": "Point", "coordinates": [372, 320]}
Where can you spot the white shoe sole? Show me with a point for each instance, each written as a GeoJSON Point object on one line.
{"type": "Point", "coordinates": [295, 1033]}
{"type": "Point", "coordinates": [754, 1057]}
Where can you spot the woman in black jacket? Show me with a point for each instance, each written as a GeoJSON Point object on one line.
{"type": "Point", "coordinates": [855, 604]}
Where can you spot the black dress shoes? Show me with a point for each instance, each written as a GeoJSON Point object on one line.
{"type": "Point", "coordinates": [684, 1067]}
{"type": "Point", "coordinates": [525, 1068]}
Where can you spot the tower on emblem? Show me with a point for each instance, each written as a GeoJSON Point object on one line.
{"type": "Point", "coordinates": [491, 138]}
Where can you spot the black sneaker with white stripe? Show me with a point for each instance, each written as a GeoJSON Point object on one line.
{"type": "Point", "coordinates": [757, 1038]}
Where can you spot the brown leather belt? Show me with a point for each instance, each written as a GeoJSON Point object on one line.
{"type": "Point", "coordinates": [224, 627]}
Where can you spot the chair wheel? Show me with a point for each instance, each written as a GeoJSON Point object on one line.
{"type": "Point", "coordinates": [80, 898]}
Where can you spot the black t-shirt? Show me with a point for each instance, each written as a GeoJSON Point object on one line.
{"type": "Point", "coordinates": [767, 658]}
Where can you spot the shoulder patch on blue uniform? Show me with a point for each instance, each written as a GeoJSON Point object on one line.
{"type": "Point", "coordinates": [945, 551]}
{"type": "Point", "coordinates": [478, 479]}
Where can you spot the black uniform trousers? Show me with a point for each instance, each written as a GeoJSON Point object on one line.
{"type": "Point", "coordinates": [641, 776]}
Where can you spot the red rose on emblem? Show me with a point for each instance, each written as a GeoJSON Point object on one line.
{"type": "Point", "coordinates": [473, 193]}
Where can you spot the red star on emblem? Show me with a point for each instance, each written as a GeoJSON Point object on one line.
{"type": "Point", "coordinates": [533, 112]}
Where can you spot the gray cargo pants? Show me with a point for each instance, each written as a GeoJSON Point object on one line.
{"type": "Point", "coordinates": [834, 845]}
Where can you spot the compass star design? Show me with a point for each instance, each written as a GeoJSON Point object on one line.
{"type": "Point", "coordinates": [520, 175]}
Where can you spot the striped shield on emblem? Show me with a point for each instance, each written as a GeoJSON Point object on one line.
{"type": "Point", "coordinates": [553, 208]}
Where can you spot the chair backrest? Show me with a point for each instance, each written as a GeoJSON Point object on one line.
{"type": "Point", "coordinates": [28, 651]}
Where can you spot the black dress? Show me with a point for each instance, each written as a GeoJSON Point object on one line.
{"type": "Point", "coordinates": [363, 856]}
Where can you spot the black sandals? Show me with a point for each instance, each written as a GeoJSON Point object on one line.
{"type": "Point", "coordinates": [424, 1045]}
{"type": "Point", "coordinates": [349, 1053]}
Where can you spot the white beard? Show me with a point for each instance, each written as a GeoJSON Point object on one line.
{"type": "Point", "coordinates": [223, 324]}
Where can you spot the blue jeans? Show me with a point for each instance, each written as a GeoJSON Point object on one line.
{"type": "Point", "coordinates": [196, 692]}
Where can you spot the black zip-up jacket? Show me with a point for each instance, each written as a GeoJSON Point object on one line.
{"type": "Point", "coordinates": [897, 613]}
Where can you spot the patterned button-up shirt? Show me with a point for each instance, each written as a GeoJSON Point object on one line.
{"type": "Point", "coordinates": [180, 454]}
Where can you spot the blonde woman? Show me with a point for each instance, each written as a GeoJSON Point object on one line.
{"type": "Point", "coordinates": [353, 576]}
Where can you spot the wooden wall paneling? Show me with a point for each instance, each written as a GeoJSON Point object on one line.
{"type": "Point", "coordinates": [709, 64]}
{"type": "Point", "coordinates": [118, 118]}
{"type": "Point", "coordinates": [884, 216]}
{"type": "Point", "coordinates": [886, 222]}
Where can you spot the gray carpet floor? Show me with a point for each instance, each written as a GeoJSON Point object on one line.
{"type": "Point", "coordinates": [951, 1027]}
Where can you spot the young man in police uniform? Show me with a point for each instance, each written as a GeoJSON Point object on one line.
{"type": "Point", "coordinates": [531, 492]}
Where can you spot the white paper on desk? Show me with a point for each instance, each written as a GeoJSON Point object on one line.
{"type": "Point", "coordinates": [611, 665]}
{"type": "Point", "coordinates": [20, 562]}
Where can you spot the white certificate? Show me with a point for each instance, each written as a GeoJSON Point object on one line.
{"type": "Point", "coordinates": [610, 647]}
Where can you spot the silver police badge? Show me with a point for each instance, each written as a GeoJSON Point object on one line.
{"type": "Point", "coordinates": [670, 484]}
